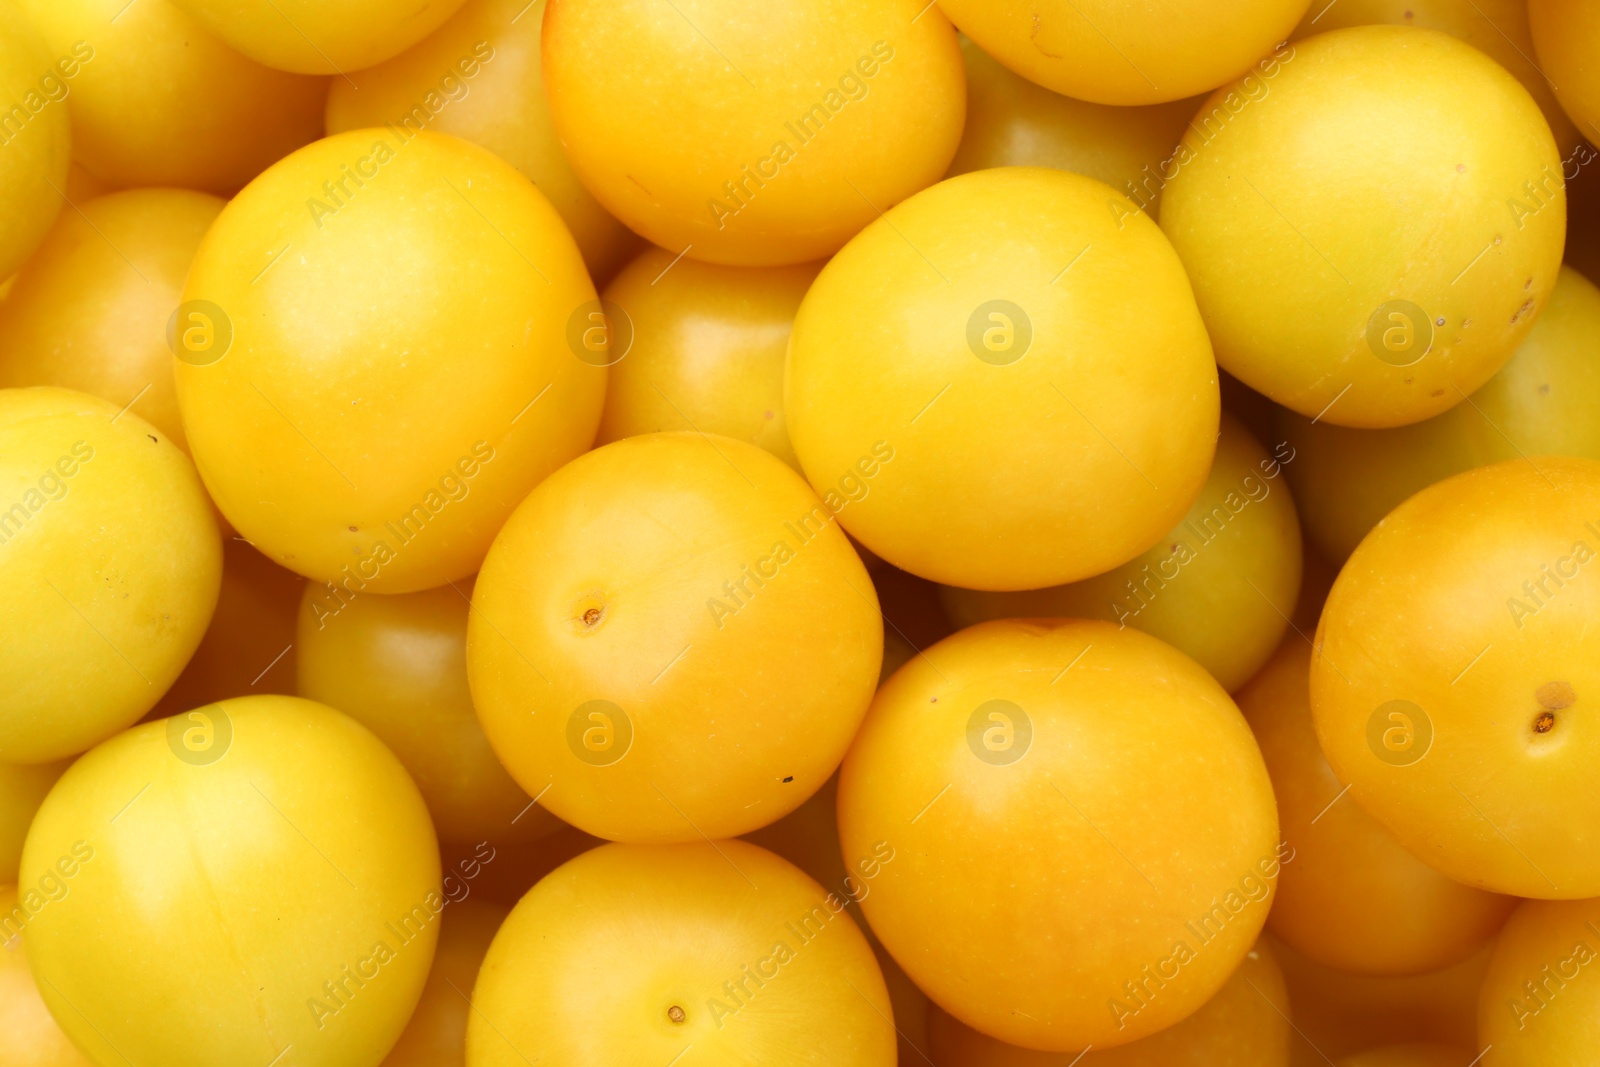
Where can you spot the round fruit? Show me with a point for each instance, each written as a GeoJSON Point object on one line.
{"type": "Point", "coordinates": [672, 640]}
{"type": "Point", "coordinates": [373, 360]}
{"type": "Point", "coordinates": [1244, 1024]}
{"type": "Point", "coordinates": [90, 309]}
{"type": "Point", "coordinates": [1536, 1006]}
{"type": "Point", "coordinates": [1011, 122]}
{"type": "Point", "coordinates": [264, 861]}
{"type": "Point", "coordinates": [1005, 755]}
{"type": "Point", "coordinates": [753, 136]}
{"type": "Point", "coordinates": [37, 139]}
{"type": "Point", "coordinates": [1049, 418]}
{"type": "Point", "coordinates": [1545, 401]}
{"type": "Point", "coordinates": [22, 789]}
{"type": "Point", "coordinates": [321, 36]}
{"type": "Point", "coordinates": [1219, 587]}
{"type": "Point", "coordinates": [398, 665]}
{"type": "Point", "coordinates": [1497, 28]}
{"type": "Point", "coordinates": [479, 77]}
{"type": "Point", "coordinates": [28, 1033]}
{"type": "Point", "coordinates": [1566, 34]}
{"type": "Point", "coordinates": [718, 946]}
{"type": "Point", "coordinates": [1353, 898]}
{"type": "Point", "coordinates": [1459, 649]}
{"type": "Point", "coordinates": [250, 646]}
{"type": "Point", "coordinates": [706, 345]}
{"type": "Point", "coordinates": [436, 1036]}
{"type": "Point", "coordinates": [109, 567]}
{"type": "Point", "coordinates": [1373, 232]}
{"type": "Point", "coordinates": [1115, 52]}
{"type": "Point", "coordinates": [211, 120]}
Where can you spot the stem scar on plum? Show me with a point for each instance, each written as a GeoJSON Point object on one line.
{"type": "Point", "coordinates": [676, 1014]}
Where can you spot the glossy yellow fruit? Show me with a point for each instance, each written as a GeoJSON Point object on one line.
{"type": "Point", "coordinates": [28, 1033]}
{"type": "Point", "coordinates": [1565, 34]}
{"type": "Point", "coordinates": [1545, 401]}
{"type": "Point", "coordinates": [265, 862]}
{"type": "Point", "coordinates": [436, 1036]}
{"type": "Point", "coordinates": [754, 136]}
{"type": "Point", "coordinates": [630, 953]}
{"type": "Point", "coordinates": [1116, 52]}
{"type": "Point", "coordinates": [1460, 648]}
{"type": "Point", "coordinates": [706, 345]}
{"type": "Point", "coordinates": [1220, 587]}
{"type": "Point", "coordinates": [35, 139]}
{"type": "Point", "coordinates": [1372, 231]}
{"type": "Point", "coordinates": [1337, 1013]}
{"type": "Point", "coordinates": [22, 789]}
{"type": "Point", "coordinates": [321, 36]}
{"type": "Point", "coordinates": [1003, 757]}
{"type": "Point", "coordinates": [479, 77]}
{"type": "Point", "coordinates": [211, 120]}
{"type": "Point", "coordinates": [373, 358]}
{"type": "Point", "coordinates": [1035, 415]}
{"type": "Point", "coordinates": [1012, 122]}
{"type": "Point", "coordinates": [1244, 1025]}
{"type": "Point", "coordinates": [1412, 1054]}
{"type": "Point", "coordinates": [672, 639]}
{"type": "Point", "coordinates": [1537, 1006]}
{"type": "Point", "coordinates": [109, 567]}
{"type": "Point", "coordinates": [1353, 898]}
{"type": "Point", "coordinates": [89, 311]}
{"type": "Point", "coordinates": [398, 665]}
{"type": "Point", "coordinates": [1497, 28]}
{"type": "Point", "coordinates": [250, 646]}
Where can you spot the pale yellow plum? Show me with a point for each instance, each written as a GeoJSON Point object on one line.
{"type": "Point", "coordinates": [1012, 122]}
{"type": "Point", "coordinates": [1353, 899]}
{"type": "Point", "coordinates": [1538, 1005]}
{"type": "Point", "coordinates": [264, 862]}
{"type": "Point", "coordinates": [321, 36]}
{"type": "Point", "coordinates": [480, 77]}
{"type": "Point", "coordinates": [1565, 36]}
{"type": "Point", "coordinates": [667, 944]}
{"type": "Point", "coordinates": [1373, 229]}
{"type": "Point", "coordinates": [110, 563]}
{"type": "Point", "coordinates": [1457, 655]}
{"type": "Point", "coordinates": [90, 310]}
{"type": "Point", "coordinates": [1219, 587]}
{"type": "Point", "coordinates": [1004, 756]}
{"type": "Point", "coordinates": [373, 357]}
{"type": "Point", "coordinates": [753, 135]}
{"type": "Point", "coordinates": [212, 119]}
{"type": "Point", "coordinates": [398, 665]}
{"type": "Point", "coordinates": [1545, 401]}
{"type": "Point", "coordinates": [1244, 1025]}
{"type": "Point", "coordinates": [1116, 52]}
{"type": "Point", "coordinates": [1497, 28]}
{"type": "Point", "coordinates": [36, 138]}
{"type": "Point", "coordinates": [705, 349]}
{"type": "Point", "coordinates": [1037, 417]}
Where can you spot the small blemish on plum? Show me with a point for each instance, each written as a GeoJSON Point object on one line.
{"type": "Point", "coordinates": [591, 616]}
{"type": "Point", "coordinates": [1544, 723]}
{"type": "Point", "coordinates": [1461, 168]}
{"type": "Point", "coordinates": [1556, 696]}
{"type": "Point", "coordinates": [1527, 306]}
{"type": "Point", "coordinates": [677, 1014]}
